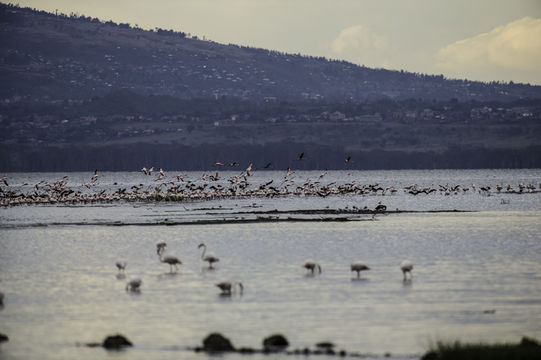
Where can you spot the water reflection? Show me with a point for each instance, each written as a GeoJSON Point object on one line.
{"type": "Point", "coordinates": [406, 283]}
{"type": "Point", "coordinates": [168, 275]}
{"type": "Point", "coordinates": [206, 269]}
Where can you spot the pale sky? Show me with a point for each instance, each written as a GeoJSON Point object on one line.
{"type": "Point", "coordinates": [487, 40]}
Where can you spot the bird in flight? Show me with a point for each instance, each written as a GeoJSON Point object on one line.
{"type": "Point", "coordinates": [95, 176]}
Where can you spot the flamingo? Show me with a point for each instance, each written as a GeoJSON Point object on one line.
{"type": "Point", "coordinates": [121, 265]}
{"type": "Point", "coordinates": [406, 266]}
{"type": "Point", "coordinates": [358, 267]}
{"type": "Point", "coordinates": [134, 283]}
{"type": "Point", "coordinates": [310, 265]}
{"type": "Point", "coordinates": [171, 260]}
{"type": "Point", "coordinates": [210, 257]}
{"type": "Point", "coordinates": [94, 177]}
{"type": "Point", "coordinates": [227, 286]}
{"type": "Point", "coordinates": [160, 247]}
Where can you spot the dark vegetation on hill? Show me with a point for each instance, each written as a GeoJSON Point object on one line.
{"type": "Point", "coordinates": [78, 94]}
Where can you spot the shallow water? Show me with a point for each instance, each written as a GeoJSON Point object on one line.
{"type": "Point", "coordinates": [477, 274]}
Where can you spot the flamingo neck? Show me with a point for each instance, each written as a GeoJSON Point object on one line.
{"type": "Point", "coordinates": [241, 287]}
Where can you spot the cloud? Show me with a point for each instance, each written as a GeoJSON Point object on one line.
{"type": "Point", "coordinates": [515, 47]}
{"type": "Point", "coordinates": [360, 45]}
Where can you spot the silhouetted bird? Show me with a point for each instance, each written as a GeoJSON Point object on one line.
{"type": "Point", "coordinates": [406, 267]}
{"type": "Point", "coordinates": [134, 283]}
{"type": "Point", "coordinates": [311, 266]}
{"type": "Point", "coordinates": [227, 286]}
{"type": "Point", "coordinates": [121, 265]}
{"type": "Point", "coordinates": [208, 257]}
{"type": "Point", "coordinates": [358, 267]}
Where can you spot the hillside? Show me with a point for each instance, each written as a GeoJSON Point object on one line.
{"type": "Point", "coordinates": [58, 56]}
{"type": "Point", "coordinates": [79, 94]}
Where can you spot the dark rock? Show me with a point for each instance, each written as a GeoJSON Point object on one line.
{"type": "Point", "coordinates": [275, 342]}
{"type": "Point", "coordinates": [3, 337]}
{"type": "Point", "coordinates": [216, 342]}
{"type": "Point", "coordinates": [94, 344]}
{"type": "Point", "coordinates": [246, 350]}
{"type": "Point", "coordinates": [116, 342]}
{"type": "Point", "coordinates": [325, 345]}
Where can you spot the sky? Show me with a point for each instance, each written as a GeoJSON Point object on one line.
{"type": "Point", "coordinates": [487, 40]}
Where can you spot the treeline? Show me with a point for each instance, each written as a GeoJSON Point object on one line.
{"type": "Point", "coordinates": [126, 102]}
{"type": "Point", "coordinates": [280, 156]}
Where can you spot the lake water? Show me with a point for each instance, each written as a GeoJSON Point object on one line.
{"type": "Point", "coordinates": [477, 273]}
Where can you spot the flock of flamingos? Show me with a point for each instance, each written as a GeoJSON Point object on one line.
{"type": "Point", "coordinates": [134, 283]}
{"type": "Point", "coordinates": [213, 186]}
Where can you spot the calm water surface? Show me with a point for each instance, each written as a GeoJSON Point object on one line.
{"type": "Point", "coordinates": [477, 274]}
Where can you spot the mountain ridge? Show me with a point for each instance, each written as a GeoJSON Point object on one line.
{"type": "Point", "coordinates": [79, 94]}
{"type": "Point", "coordinates": [61, 56]}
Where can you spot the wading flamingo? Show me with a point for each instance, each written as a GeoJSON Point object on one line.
{"type": "Point", "coordinates": [310, 265]}
{"type": "Point", "coordinates": [121, 266]}
{"type": "Point", "coordinates": [406, 267]}
{"type": "Point", "coordinates": [358, 267]}
{"type": "Point", "coordinates": [227, 286]}
{"type": "Point", "coordinates": [134, 284]}
{"type": "Point", "coordinates": [208, 257]}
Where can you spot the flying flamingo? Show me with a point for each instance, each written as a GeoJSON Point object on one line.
{"type": "Point", "coordinates": [358, 267]}
{"type": "Point", "coordinates": [310, 265]}
{"type": "Point", "coordinates": [406, 267]}
{"type": "Point", "coordinates": [134, 283]}
{"type": "Point", "coordinates": [227, 286]}
{"type": "Point", "coordinates": [210, 257]}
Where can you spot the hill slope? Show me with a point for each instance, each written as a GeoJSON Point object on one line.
{"type": "Point", "coordinates": [79, 94]}
{"type": "Point", "coordinates": [45, 55]}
